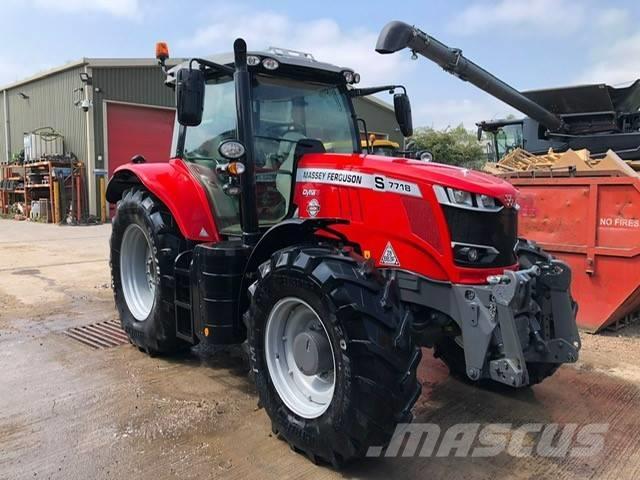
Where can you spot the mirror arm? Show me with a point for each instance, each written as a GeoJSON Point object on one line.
{"type": "Point", "coordinates": [363, 92]}
{"type": "Point", "coordinates": [366, 134]}
{"type": "Point", "coordinates": [215, 66]}
{"type": "Point", "coordinates": [163, 65]}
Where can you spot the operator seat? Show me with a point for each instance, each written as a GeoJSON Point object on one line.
{"type": "Point", "coordinates": [284, 178]}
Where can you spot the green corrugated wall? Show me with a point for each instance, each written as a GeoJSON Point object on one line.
{"type": "Point", "coordinates": [49, 104]}
{"type": "Point", "coordinates": [3, 158]}
{"type": "Point", "coordinates": [379, 119]}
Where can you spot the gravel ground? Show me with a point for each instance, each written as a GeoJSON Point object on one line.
{"type": "Point", "coordinates": [71, 412]}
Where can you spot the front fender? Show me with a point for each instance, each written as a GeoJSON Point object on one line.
{"type": "Point", "coordinates": [175, 186]}
{"type": "Point", "coordinates": [294, 231]}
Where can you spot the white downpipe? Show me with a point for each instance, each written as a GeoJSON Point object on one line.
{"type": "Point", "coordinates": [7, 146]}
{"type": "Point", "coordinates": [91, 161]}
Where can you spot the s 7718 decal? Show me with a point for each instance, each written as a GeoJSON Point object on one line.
{"type": "Point", "coordinates": [360, 180]}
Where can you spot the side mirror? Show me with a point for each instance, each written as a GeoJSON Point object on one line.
{"type": "Point", "coordinates": [402, 107]}
{"type": "Point", "coordinates": [190, 96]}
{"type": "Point", "coordinates": [479, 134]}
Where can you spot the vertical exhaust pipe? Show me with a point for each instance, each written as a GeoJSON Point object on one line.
{"type": "Point", "coordinates": [248, 205]}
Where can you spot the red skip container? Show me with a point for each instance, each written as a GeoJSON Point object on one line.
{"type": "Point", "coordinates": [593, 224]}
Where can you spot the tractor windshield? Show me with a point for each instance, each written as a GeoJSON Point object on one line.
{"type": "Point", "coordinates": [284, 112]}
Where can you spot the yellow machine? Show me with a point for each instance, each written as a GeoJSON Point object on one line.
{"type": "Point", "coordinates": [379, 144]}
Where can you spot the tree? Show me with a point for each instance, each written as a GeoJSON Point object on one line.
{"type": "Point", "coordinates": [453, 146]}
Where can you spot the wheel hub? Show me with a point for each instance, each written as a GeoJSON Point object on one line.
{"type": "Point", "coordinates": [300, 357]}
{"type": "Point", "coordinates": [137, 272]}
{"type": "Point", "coordinates": [150, 270]}
{"type": "Point", "coordinates": [312, 353]}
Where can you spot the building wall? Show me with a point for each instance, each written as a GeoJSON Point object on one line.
{"type": "Point", "coordinates": [50, 104]}
{"type": "Point", "coordinates": [143, 85]}
{"type": "Point", "coordinates": [378, 118]}
{"type": "Point", "coordinates": [3, 155]}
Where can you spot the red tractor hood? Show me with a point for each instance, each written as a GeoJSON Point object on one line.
{"type": "Point", "coordinates": [462, 178]}
{"type": "Point", "coordinates": [392, 207]}
{"type": "Point", "coordinates": [414, 170]}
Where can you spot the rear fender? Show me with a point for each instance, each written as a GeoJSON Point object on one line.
{"type": "Point", "coordinates": [174, 185]}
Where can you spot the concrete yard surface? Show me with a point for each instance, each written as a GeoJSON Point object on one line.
{"type": "Point", "coordinates": [69, 411]}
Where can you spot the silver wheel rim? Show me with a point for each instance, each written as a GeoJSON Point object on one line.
{"type": "Point", "coordinates": [308, 396]}
{"type": "Point", "coordinates": [137, 272]}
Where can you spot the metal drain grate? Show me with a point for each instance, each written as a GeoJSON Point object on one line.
{"type": "Point", "coordinates": [99, 335]}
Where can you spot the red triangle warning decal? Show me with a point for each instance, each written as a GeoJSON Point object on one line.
{"type": "Point", "coordinates": [389, 256]}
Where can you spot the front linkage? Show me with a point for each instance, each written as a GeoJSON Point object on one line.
{"type": "Point", "coordinates": [516, 330]}
{"type": "Point", "coordinates": [535, 320]}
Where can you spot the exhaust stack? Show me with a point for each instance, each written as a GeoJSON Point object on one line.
{"type": "Point", "coordinates": [398, 35]}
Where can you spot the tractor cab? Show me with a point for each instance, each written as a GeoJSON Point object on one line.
{"type": "Point", "coordinates": [501, 137]}
{"type": "Point", "coordinates": [291, 97]}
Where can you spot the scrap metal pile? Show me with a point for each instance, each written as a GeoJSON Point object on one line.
{"type": "Point", "coordinates": [519, 162]}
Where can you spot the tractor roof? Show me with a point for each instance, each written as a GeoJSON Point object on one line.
{"type": "Point", "coordinates": [286, 58]}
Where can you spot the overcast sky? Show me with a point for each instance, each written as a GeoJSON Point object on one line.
{"type": "Point", "coordinates": [529, 43]}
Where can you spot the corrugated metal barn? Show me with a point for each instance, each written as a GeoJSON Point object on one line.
{"type": "Point", "coordinates": [125, 98]}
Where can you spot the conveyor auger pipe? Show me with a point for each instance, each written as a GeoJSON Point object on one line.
{"type": "Point", "coordinates": [398, 35]}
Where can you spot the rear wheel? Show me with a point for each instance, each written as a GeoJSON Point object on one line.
{"type": "Point", "coordinates": [332, 355]}
{"type": "Point", "coordinates": [144, 245]}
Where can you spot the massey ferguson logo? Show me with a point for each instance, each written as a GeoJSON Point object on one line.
{"type": "Point", "coordinates": [509, 200]}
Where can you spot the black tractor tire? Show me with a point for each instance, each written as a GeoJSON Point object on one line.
{"type": "Point", "coordinates": [375, 356]}
{"type": "Point", "coordinates": [157, 333]}
{"type": "Point", "coordinates": [452, 355]}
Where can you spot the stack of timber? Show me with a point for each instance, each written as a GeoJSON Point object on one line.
{"type": "Point", "coordinates": [520, 163]}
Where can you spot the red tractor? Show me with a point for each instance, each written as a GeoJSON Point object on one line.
{"type": "Point", "coordinates": [271, 227]}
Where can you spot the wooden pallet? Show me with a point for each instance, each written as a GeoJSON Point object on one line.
{"type": "Point", "coordinates": [576, 162]}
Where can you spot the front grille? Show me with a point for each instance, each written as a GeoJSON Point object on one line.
{"type": "Point", "coordinates": [422, 221]}
{"type": "Point", "coordinates": [490, 229]}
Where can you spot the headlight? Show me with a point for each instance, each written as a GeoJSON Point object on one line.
{"type": "Point", "coordinates": [270, 63]}
{"type": "Point", "coordinates": [463, 199]}
{"type": "Point", "coordinates": [460, 197]}
{"type": "Point", "coordinates": [231, 149]}
{"type": "Point", "coordinates": [473, 255]}
{"type": "Point", "coordinates": [253, 60]}
{"type": "Point", "coordinates": [486, 201]}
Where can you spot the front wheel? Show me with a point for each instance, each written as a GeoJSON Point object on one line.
{"type": "Point", "coordinates": [332, 355]}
